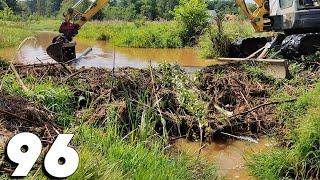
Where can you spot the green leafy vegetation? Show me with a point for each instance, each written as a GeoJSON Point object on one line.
{"type": "Point", "coordinates": [193, 17]}
{"type": "Point", "coordinates": [12, 34]}
{"type": "Point", "coordinates": [218, 36]}
{"type": "Point", "coordinates": [301, 158]}
{"type": "Point", "coordinates": [139, 34]}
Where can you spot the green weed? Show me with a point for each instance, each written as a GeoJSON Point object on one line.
{"type": "Point", "coordinates": [257, 72]}
{"type": "Point", "coordinates": [125, 34]}
{"type": "Point", "coordinates": [55, 98]}
{"type": "Point", "coordinates": [302, 159]}
{"type": "Point", "coordinates": [11, 35]}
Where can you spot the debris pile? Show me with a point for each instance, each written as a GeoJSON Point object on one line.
{"type": "Point", "coordinates": [20, 115]}
{"type": "Point", "coordinates": [237, 103]}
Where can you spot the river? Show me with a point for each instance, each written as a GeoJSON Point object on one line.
{"type": "Point", "coordinates": [103, 54]}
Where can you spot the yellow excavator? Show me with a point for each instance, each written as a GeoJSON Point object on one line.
{"type": "Point", "coordinates": [297, 20]}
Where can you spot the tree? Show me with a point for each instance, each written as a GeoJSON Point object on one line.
{"type": "Point", "coordinates": [193, 16]}
{"type": "Point", "coordinates": [3, 4]}
{"type": "Point", "coordinates": [164, 8]}
{"type": "Point", "coordinates": [148, 9]}
{"type": "Point", "coordinates": [13, 4]}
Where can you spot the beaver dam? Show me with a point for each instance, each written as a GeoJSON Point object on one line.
{"type": "Point", "coordinates": [107, 108]}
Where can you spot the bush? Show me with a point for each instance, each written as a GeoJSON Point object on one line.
{"type": "Point", "coordinates": [8, 15]}
{"type": "Point", "coordinates": [214, 43]}
{"type": "Point", "coordinates": [193, 17]}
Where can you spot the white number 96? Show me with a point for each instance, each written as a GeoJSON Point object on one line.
{"type": "Point", "coordinates": [24, 149]}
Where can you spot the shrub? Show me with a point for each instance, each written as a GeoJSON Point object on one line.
{"type": "Point", "coordinates": [215, 42]}
{"type": "Point", "coordinates": [8, 15]}
{"type": "Point", "coordinates": [193, 17]}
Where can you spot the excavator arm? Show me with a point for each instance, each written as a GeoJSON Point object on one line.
{"type": "Point", "coordinates": [258, 16]}
{"type": "Point", "coordinates": [62, 48]}
{"type": "Point", "coordinates": [87, 15]}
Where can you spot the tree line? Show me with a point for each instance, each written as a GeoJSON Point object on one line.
{"type": "Point", "coordinates": [116, 9]}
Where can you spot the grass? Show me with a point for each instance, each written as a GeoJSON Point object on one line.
{"type": "Point", "coordinates": [137, 35]}
{"type": "Point", "coordinates": [301, 159]}
{"type": "Point", "coordinates": [214, 43]}
{"type": "Point", "coordinates": [44, 25]}
{"type": "Point", "coordinates": [12, 34]}
{"type": "Point", "coordinates": [137, 160]}
{"type": "Point", "coordinates": [56, 98]}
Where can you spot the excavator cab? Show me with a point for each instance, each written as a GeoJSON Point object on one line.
{"type": "Point", "coordinates": [297, 21]}
{"type": "Point", "coordinates": [295, 16]}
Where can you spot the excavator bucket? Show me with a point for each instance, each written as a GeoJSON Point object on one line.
{"type": "Point", "coordinates": [62, 52]}
{"type": "Point", "coordinates": [55, 51]}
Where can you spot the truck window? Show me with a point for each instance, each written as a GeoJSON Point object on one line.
{"type": "Point", "coordinates": [309, 3]}
{"type": "Point", "coordinates": [286, 3]}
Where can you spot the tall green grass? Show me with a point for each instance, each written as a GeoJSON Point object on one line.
{"type": "Point", "coordinates": [12, 34]}
{"type": "Point", "coordinates": [214, 43]}
{"type": "Point", "coordinates": [301, 160]}
{"type": "Point", "coordinates": [136, 159]}
{"type": "Point", "coordinates": [139, 34]}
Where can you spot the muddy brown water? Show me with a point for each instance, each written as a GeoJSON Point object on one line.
{"type": "Point", "coordinates": [229, 157]}
{"type": "Point", "coordinates": [33, 52]}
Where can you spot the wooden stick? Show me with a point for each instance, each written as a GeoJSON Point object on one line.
{"type": "Point", "coordinates": [241, 137]}
{"type": "Point", "coordinates": [262, 105]}
{"type": "Point", "coordinates": [25, 89]}
{"type": "Point", "coordinates": [255, 53]}
{"type": "Point", "coordinates": [18, 117]}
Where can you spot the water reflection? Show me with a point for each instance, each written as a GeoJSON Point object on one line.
{"type": "Point", "coordinates": [104, 54]}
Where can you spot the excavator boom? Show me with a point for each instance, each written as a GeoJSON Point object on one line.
{"type": "Point", "coordinates": [257, 16]}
